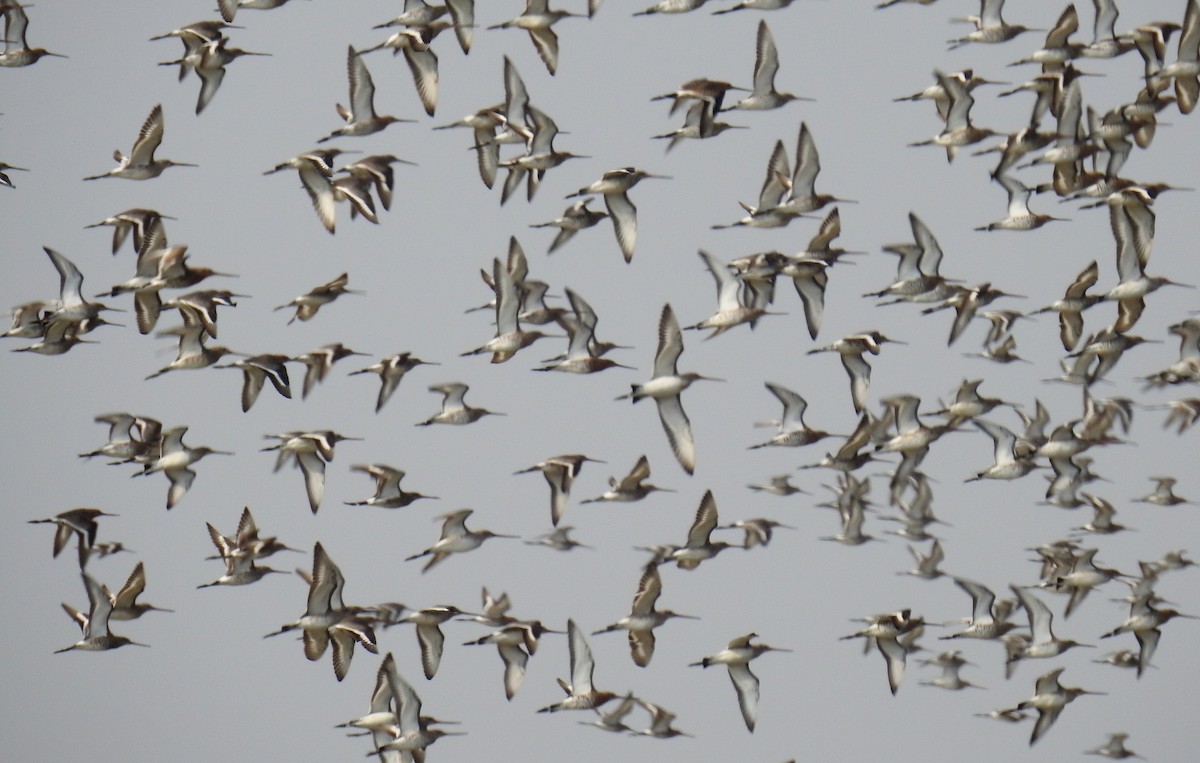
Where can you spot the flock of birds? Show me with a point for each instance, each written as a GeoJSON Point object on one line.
{"type": "Point", "coordinates": [1066, 148]}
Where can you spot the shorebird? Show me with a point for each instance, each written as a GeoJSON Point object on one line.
{"type": "Point", "coordinates": [918, 513]}
{"type": "Point", "coordinates": [560, 472]}
{"type": "Point", "coordinates": [766, 65]}
{"type": "Point", "coordinates": [316, 170]}
{"type": "Point", "coordinates": [72, 309]}
{"type": "Point", "coordinates": [1043, 643]}
{"type": "Point", "coordinates": [355, 190]}
{"type": "Point", "coordinates": [1115, 746]}
{"type": "Point", "coordinates": [614, 720]}
{"type": "Point", "coordinates": [540, 156]}
{"type": "Point", "coordinates": [1070, 308]}
{"type": "Point", "coordinates": [1057, 50]}
{"type": "Point", "coordinates": [241, 553]}
{"type": "Point", "coordinates": [1081, 578]}
{"type": "Point", "coordinates": [141, 164]}
{"type": "Point", "coordinates": [1144, 622]}
{"type": "Point", "coordinates": [201, 307]}
{"type": "Point", "coordinates": [758, 531]}
{"type": "Point", "coordinates": [779, 484]}
{"type": "Point", "coordinates": [699, 123]}
{"type": "Point", "coordinates": [755, 5]}
{"type": "Point", "coordinates": [377, 168]}
{"type": "Point", "coordinates": [631, 487]}
{"type": "Point", "coordinates": [660, 722]}
{"type": "Point", "coordinates": [801, 186]}
{"type": "Point", "coordinates": [958, 131]}
{"type": "Point", "coordinates": [229, 8]}
{"type": "Point", "coordinates": [1102, 522]}
{"type": "Point", "coordinates": [1049, 698]}
{"type": "Point", "coordinates": [851, 455]}
{"type": "Point", "coordinates": [730, 309]}
{"type": "Point", "coordinates": [28, 320]}
{"type": "Point", "coordinates": [666, 386]}
{"type": "Point", "coordinates": [196, 34]}
{"type": "Point", "coordinates": [1174, 560]}
{"type": "Point", "coordinates": [614, 186]}
{"type": "Point", "coordinates": [950, 663]}
{"type": "Point", "coordinates": [966, 302]}
{"type": "Point", "coordinates": [852, 516]}
{"type": "Point", "coordinates": [939, 96]}
{"type": "Point", "coordinates": [584, 352]}
{"type": "Point", "coordinates": [1184, 412]}
{"type": "Point", "coordinates": [430, 638]}
{"type": "Point", "coordinates": [245, 543]}
{"type": "Point", "coordinates": [391, 369]}
{"type": "Point", "coordinates": [886, 630]}
{"type": "Point", "coordinates": [538, 19]}
{"type": "Point", "coordinates": [360, 117]}
{"type": "Point", "coordinates": [5, 167]}
{"type": "Point", "coordinates": [1133, 223]}
{"type": "Point", "coordinates": [125, 605]}
{"type": "Point", "coordinates": [1164, 493]}
{"type": "Point", "coordinates": [969, 404]}
{"type": "Point", "coordinates": [770, 212]}
{"type": "Point", "coordinates": [455, 538]}
{"type": "Point", "coordinates": [1007, 466]}
{"type": "Point", "coordinates": [1106, 349]}
{"type": "Point", "coordinates": [412, 733]}
{"type": "Point", "coordinates": [643, 618]}
{"type": "Point", "coordinates": [558, 539]}
{"type": "Point", "coordinates": [16, 48]}
{"type": "Point", "coordinates": [990, 26]}
{"type": "Point", "coordinates": [173, 459]}
{"type": "Point", "coordinates": [380, 721]}
{"type": "Point", "coordinates": [422, 62]}
{"type": "Point", "coordinates": [1008, 715]}
{"type": "Point", "coordinates": [1122, 658]}
{"type": "Point", "coordinates": [310, 451]}
{"type": "Point", "coordinates": [1187, 368]}
{"type": "Point", "coordinates": [1186, 66]}
{"type": "Point", "coordinates": [256, 370]}
{"type": "Point", "coordinates": [736, 657]}
{"type": "Point", "coordinates": [510, 337]}
{"type": "Point", "coordinates": [319, 362]}
{"type": "Point", "coordinates": [417, 13]}
{"type": "Point", "coordinates": [80, 523]}
{"type": "Point", "coordinates": [912, 438]}
{"type": "Point", "coordinates": [700, 89]}
{"type": "Point", "coordinates": [851, 349]}
{"type": "Point", "coordinates": [672, 6]}
{"type": "Point", "coordinates": [917, 276]}
{"type": "Point", "coordinates": [582, 693]}
{"type": "Point", "coordinates": [699, 545]}
{"type": "Point", "coordinates": [810, 277]}
{"type": "Point", "coordinates": [159, 267]}
{"type": "Point", "coordinates": [388, 493]}
{"type": "Point", "coordinates": [516, 642]}
{"type": "Point", "coordinates": [927, 564]}
{"type": "Point", "coordinates": [310, 302]}
{"type": "Point", "coordinates": [327, 618]}
{"type": "Point", "coordinates": [1019, 217]}
{"type": "Point", "coordinates": [208, 59]}
{"type": "Point", "coordinates": [96, 635]}
{"type": "Point", "coordinates": [576, 218]}
{"type": "Point", "coordinates": [193, 353]}
{"type": "Point", "coordinates": [454, 410]}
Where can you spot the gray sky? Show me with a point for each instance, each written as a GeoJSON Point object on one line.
{"type": "Point", "coordinates": [210, 682]}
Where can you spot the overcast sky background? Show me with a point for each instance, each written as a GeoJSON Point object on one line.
{"type": "Point", "coordinates": [210, 685]}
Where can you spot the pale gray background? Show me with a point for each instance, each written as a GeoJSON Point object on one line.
{"type": "Point", "coordinates": [210, 686]}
